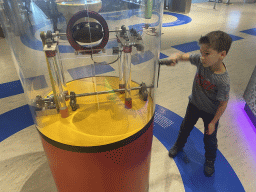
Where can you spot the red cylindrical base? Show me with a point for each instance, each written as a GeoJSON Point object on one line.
{"type": "Point", "coordinates": [121, 166]}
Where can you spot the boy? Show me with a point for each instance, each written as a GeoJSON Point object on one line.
{"type": "Point", "coordinates": [210, 94]}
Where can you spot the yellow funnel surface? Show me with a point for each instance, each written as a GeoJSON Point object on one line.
{"type": "Point", "coordinates": [100, 119]}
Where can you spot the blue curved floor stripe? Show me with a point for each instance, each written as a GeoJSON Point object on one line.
{"type": "Point", "coordinates": [14, 121]}
{"type": "Point", "coordinates": [181, 20]}
{"type": "Point", "coordinates": [190, 162]}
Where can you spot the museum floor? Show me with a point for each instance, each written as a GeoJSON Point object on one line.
{"type": "Point", "coordinates": [23, 164]}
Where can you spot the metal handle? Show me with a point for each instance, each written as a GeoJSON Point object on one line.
{"type": "Point", "coordinates": [165, 61]}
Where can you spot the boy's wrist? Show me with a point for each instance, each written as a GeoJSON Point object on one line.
{"type": "Point", "coordinates": [179, 57]}
{"type": "Point", "coordinates": [183, 56]}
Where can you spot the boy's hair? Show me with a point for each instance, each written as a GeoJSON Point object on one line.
{"type": "Point", "coordinates": [217, 40]}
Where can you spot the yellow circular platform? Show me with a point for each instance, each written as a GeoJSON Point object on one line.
{"type": "Point", "coordinates": [100, 119]}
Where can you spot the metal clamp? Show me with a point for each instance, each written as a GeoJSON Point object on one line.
{"type": "Point", "coordinates": [143, 92]}
{"type": "Point", "coordinates": [129, 38]}
{"type": "Point", "coordinates": [72, 102]}
{"type": "Point", "coordinates": [47, 103]}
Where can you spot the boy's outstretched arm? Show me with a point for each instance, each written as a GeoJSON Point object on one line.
{"type": "Point", "coordinates": [180, 56]}
{"type": "Point", "coordinates": [174, 59]}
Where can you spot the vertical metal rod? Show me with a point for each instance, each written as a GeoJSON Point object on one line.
{"type": "Point", "coordinates": [59, 87]}
{"type": "Point", "coordinates": [121, 71]}
{"type": "Point", "coordinates": [61, 69]}
{"type": "Point", "coordinates": [127, 75]}
{"type": "Point", "coordinates": [120, 62]}
{"type": "Point", "coordinates": [95, 85]}
{"type": "Point", "coordinates": [52, 83]}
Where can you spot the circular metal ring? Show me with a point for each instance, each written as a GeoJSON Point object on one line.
{"type": "Point", "coordinates": [90, 14]}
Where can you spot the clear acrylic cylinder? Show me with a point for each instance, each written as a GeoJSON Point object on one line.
{"type": "Point", "coordinates": [89, 72]}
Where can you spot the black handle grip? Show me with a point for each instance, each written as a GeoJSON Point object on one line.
{"type": "Point", "coordinates": [165, 62]}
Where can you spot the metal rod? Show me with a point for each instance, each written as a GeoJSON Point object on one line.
{"type": "Point", "coordinates": [64, 34]}
{"type": "Point", "coordinates": [115, 31]}
{"type": "Point", "coordinates": [105, 92]}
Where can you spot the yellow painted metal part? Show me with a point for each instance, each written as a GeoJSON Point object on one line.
{"type": "Point", "coordinates": [100, 119]}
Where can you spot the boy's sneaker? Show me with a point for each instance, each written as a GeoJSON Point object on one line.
{"type": "Point", "coordinates": [209, 168]}
{"type": "Point", "coordinates": [174, 151]}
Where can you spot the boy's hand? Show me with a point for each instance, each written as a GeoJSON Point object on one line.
{"type": "Point", "coordinates": [174, 58]}
{"type": "Point", "coordinates": [211, 128]}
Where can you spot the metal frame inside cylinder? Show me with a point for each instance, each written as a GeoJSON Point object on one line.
{"type": "Point", "coordinates": [126, 40]}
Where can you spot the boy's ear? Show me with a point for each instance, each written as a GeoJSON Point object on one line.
{"type": "Point", "coordinates": [223, 54]}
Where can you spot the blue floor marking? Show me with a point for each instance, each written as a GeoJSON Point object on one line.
{"type": "Point", "coordinates": [250, 31]}
{"type": "Point", "coordinates": [14, 121]}
{"type": "Point", "coordinates": [141, 58]}
{"type": "Point", "coordinates": [10, 89]}
{"type": "Point", "coordinates": [190, 162]}
{"type": "Point", "coordinates": [66, 49]}
{"type": "Point", "coordinates": [36, 83]}
{"type": "Point", "coordinates": [162, 56]}
{"type": "Point", "coordinates": [111, 44]}
{"type": "Point", "coordinates": [181, 20]}
{"type": "Point", "coordinates": [235, 38]}
{"type": "Point", "coordinates": [193, 46]}
{"type": "Point", "coordinates": [15, 87]}
{"type": "Point", "coordinates": [86, 71]}
{"type": "Point", "coordinates": [187, 47]}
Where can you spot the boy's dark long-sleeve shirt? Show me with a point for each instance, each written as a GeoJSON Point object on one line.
{"type": "Point", "coordinates": [208, 88]}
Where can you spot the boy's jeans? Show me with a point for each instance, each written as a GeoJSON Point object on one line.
{"type": "Point", "coordinates": [191, 117]}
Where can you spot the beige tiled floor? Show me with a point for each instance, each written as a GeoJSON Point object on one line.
{"type": "Point", "coordinates": [23, 163]}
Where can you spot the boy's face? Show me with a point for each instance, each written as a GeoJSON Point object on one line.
{"type": "Point", "coordinates": [211, 57]}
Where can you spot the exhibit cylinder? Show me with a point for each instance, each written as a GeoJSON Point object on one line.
{"type": "Point", "coordinates": [88, 70]}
